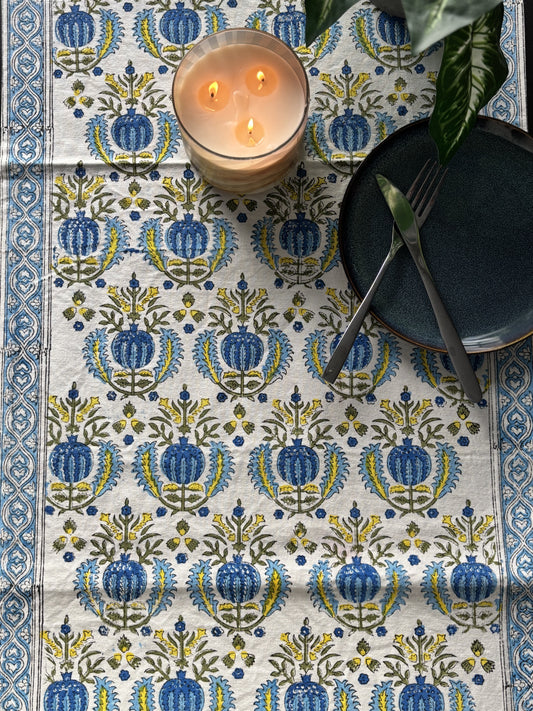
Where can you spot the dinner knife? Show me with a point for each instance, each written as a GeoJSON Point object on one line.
{"type": "Point", "coordinates": [405, 220]}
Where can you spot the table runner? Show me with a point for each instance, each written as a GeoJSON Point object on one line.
{"type": "Point", "coordinates": [191, 517]}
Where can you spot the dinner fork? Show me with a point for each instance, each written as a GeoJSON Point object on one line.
{"type": "Point", "coordinates": [422, 195]}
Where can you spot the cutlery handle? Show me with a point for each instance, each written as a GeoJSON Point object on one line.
{"type": "Point", "coordinates": [344, 346]}
{"type": "Point", "coordinates": [454, 345]}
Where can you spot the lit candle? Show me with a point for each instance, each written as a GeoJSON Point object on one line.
{"type": "Point", "coordinates": [241, 97]}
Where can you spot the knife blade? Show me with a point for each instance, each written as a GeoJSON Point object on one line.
{"type": "Point", "coordinates": [405, 220]}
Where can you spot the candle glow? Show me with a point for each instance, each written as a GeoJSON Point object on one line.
{"type": "Point", "coordinates": [262, 79]}
{"type": "Point", "coordinates": [213, 95]}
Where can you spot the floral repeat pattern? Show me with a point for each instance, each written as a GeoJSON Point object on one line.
{"type": "Point", "coordinates": [226, 530]}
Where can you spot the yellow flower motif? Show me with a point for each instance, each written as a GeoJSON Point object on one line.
{"type": "Point", "coordinates": [217, 518]}
{"type": "Point", "coordinates": [228, 300]}
{"type": "Point", "coordinates": [121, 91]}
{"type": "Point", "coordinates": [150, 294]}
{"type": "Point", "coordinates": [147, 76]}
{"type": "Point", "coordinates": [289, 419]}
{"type": "Point", "coordinates": [204, 402]}
{"type": "Point", "coordinates": [343, 307]}
{"type": "Point", "coordinates": [117, 533]}
{"type": "Point", "coordinates": [374, 520]}
{"type": "Point", "coordinates": [92, 187]}
{"type": "Point", "coordinates": [337, 90]}
{"type": "Point", "coordinates": [346, 535]}
{"type": "Point", "coordinates": [173, 412]}
{"type": "Point", "coordinates": [56, 649]}
{"type": "Point", "coordinates": [385, 405]}
{"type": "Point", "coordinates": [59, 181]}
{"type": "Point", "coordinates": [297, 654]}
{"type": "Point", "coordinates": [259, 519]}
{"type": "Point", "coordinates": [260, 295]}
{"type": "Point", "coordinates": [64, 414]}
{"type": "Point", "coordinates": [318, 646]}
{"type": "Point", "coordinates": [146, 517]}
{"type": "Point", "coordinates": [92, 403]}
{"type": "Point", "coordinates": [172, 649]}
{"type": "Point", "coordinates": [309, 410]}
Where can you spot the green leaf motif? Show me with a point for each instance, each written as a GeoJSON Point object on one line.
{"type": "Point", "coordinates": [473, 69]}
{"type": "Point", "coordinates": [431, 20]}
{"type": "Point", "coordinates": [322, 14]}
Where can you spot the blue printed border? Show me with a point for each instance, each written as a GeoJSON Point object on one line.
{"type": "Point", "coordinates": [515, 409]}
{"type": "Point", "coordinates": [24, 71]}
{"type": "Point", "coordinates": [22, 287]}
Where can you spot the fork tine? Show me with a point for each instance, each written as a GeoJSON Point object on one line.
{"type": "Point", "coordinates": [428, 199]}
{"type": "Point", "coordinates": [420, 180]}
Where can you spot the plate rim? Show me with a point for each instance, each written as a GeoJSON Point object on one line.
{"type": "Point", "coordinates": [489, 124]}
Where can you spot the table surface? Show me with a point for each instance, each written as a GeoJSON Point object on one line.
{"type": "Point", "coordinates": [192, 518]}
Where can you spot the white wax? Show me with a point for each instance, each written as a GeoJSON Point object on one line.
{"type": "Point", "coordinates": [279, 111]}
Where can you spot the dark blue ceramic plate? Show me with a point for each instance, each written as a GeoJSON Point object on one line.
{"type": "Point", "coordinates": [478, 239]}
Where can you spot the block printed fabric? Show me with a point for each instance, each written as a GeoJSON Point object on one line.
{"type": "Point", "coordinates": [191, 517]}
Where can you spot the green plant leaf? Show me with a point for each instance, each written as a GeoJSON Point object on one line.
{"type": "Point", "coordinates": [472, 70]}
{"type": "Point", "coordinates": [431, 20]}
{"type": "Point", "coordinates": [321, 14]}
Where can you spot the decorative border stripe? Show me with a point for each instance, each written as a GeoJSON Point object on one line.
{"type": "Point", "coordinates": [23, 30]}
{"type": "Point", "coordinates": [515, 404]}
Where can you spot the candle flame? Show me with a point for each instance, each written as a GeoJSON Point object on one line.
{"type": "Point", "coordinates": [250, 126]}
{"type": "Point", "coordinates": [260, 78]}
{"type": "Point", "coordinates": [213, 89]}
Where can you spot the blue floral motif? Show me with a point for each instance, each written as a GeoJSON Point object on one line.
{"type": "Point", "coordinates": [289, 26]}
{"type": "Point", "coordinates": [168, 32]}
{"type": "Point", "coordinates": [306, 694]}
{"type": "Point", "coordinates": [68, 693]}
{"type": "Point", "coordinates": [76, 30]}
{"type": "Point", "coordinates": [180, 25]}
{"type": "Point", "coordinates": [421, 695]}
{"type": "Point", "coordinates": [181, 692]}
{"type": "Point", "coordinates": [183, 465]}
{"type": "Point", "coordinates": [354, 383]}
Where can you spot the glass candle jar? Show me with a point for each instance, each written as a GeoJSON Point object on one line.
{"type": "Point", "coordinates": [241, 98]}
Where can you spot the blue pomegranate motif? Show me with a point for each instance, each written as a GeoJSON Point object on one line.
{"type": "Point", "coordinates": [75, 28]}
{"type": "Point", "coordinates": [132, 131]}
{"type": "Point", "coordinates": [350, 132]}
{"type": "Point", "coordinates": [298, 464]}
{"type": "Point", "coordinates": [473, 581]}
{"type": "Point", "coordinates": [71, 461]}
{"type": "Point", "coordinates": [421, 697]}
{"type": "Point", "coordinates": [79, 235]}
{"type": "Point", "coordinates": [242, 350]}
{"type": "Point", "coordinates": [393, 30]}
{"type": "Point", "coordinates": [183, 463]}
{"type": "Point", "coordinates": [133, 348]}
{"type": "Point", "coordinates": [300, 237]}
{"type": "Point", "coordinates": [476, 359]}
{"type": "Point", "coordinates": [306, 695]}
{"type": "Point", "coordinates": [68, 694]}
{"type": "Point", "coordinates": [409, 464]}
{"type": "Point", "coordinates": [187, 238]}
{"type": "Point", "coordinates": [181, 694]}
{"type": "Point", "coordinates": [358, 582]}
{"type": "Point", "coordinates": [180, 25]}
{"type": "Point", "coordinates": [124, 580]}
{"type": "Point", "coordinates": [238, 582]}
{"type": "Point", "coordinates": [360, 353]}
{"type": "Point", "coordinates": [289, 26]}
